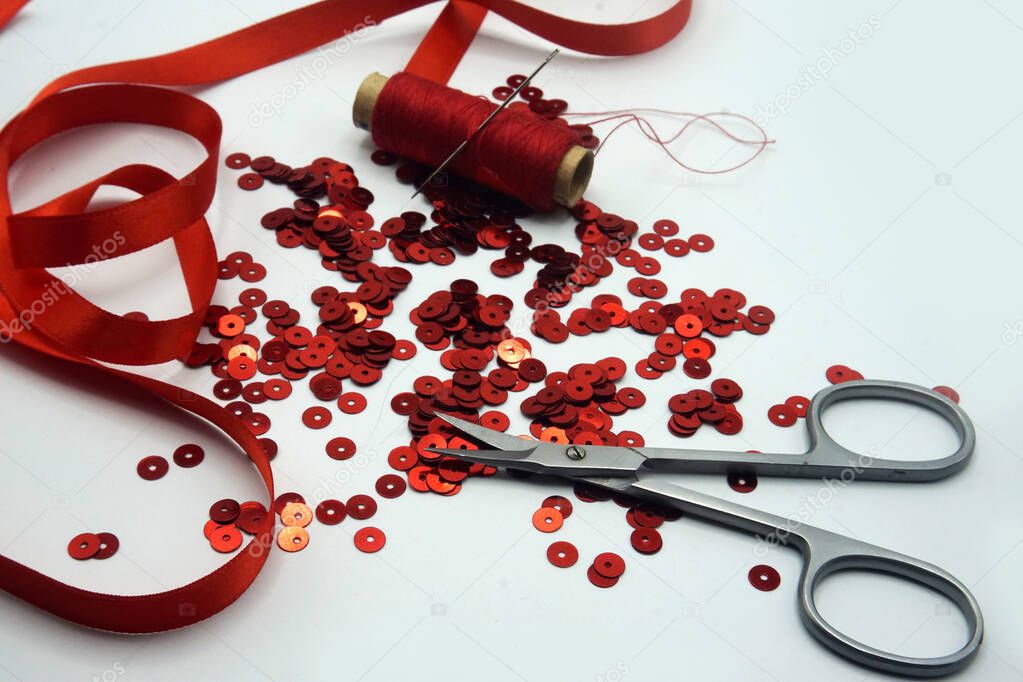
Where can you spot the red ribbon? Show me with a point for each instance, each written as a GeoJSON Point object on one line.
{"type": "Point", "coordinates": [40, 312]}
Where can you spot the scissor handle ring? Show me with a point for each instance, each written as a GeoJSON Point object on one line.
{"type": "Point", "coordinates": [825, 450]}
{"type": "Point", "coordinates": [827, 553]}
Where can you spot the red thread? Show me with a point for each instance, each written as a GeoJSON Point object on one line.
{"type": "Point", "coordinates": [626, 116]}
{"type": "Point", "coordinates": [517, 153]}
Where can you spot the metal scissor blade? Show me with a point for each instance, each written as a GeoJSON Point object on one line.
{"type": "Point", "coordinates": [495, 439]}
{"type": "Point", "coordinates": [571, 461]}
{"type": "Point", "coordinates": [516, 459]}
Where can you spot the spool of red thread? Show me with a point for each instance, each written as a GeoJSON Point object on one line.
{"type": "Point", "coordinates": [519, 153]}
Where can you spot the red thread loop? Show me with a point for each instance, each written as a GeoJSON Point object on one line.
{"type": "Point", "coordinates": [627, 116]}
{"type": "Point", "coordinates": [518, 153]}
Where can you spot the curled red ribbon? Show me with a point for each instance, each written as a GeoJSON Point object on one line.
{"type": "Point", "coordinates": [60, 232]}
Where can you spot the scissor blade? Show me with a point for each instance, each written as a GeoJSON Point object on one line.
{"type": "Point", "coordinates": [516, 459]}
{"type": "Point", "coordinates": [495, 439]}
{"type": "Point", "coordinates": [571, 461]}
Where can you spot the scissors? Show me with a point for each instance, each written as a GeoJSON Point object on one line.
{"type": "Point", "coordinates": [638, 472]}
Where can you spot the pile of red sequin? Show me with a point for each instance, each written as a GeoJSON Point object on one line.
{"type": "Point", "coordinates": [346, 347]}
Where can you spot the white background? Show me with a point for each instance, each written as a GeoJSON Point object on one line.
{"type": "Point", "coordinates": [884, 228]}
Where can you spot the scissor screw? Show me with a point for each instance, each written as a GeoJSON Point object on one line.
{"type": "Point", "coordinates": [575, 452]}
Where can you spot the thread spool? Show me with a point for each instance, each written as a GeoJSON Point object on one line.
{"type": "Point", "coordinates": [561, 171]}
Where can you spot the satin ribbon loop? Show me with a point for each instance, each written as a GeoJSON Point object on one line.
{"type": "Point", "coordinates": [60, 233]}
{"type": "Point", "coordinates": [174, 608]}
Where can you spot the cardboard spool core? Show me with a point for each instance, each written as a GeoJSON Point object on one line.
{"type": "Point", "coordinates": [570, 179]}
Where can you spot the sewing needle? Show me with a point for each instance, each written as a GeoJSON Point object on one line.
{"type": "Point", "coordinates": [484, 123]}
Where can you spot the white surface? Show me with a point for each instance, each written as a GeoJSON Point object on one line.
{"type": "Point", "coordinates": [884, 227]}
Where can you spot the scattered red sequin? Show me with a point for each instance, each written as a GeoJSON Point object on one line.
{"type": "Point", "coordinates": [152, 468]}
{"type": "Point", "coordinates": [838, 374]}
{"type": "Point", "coordinates": [293, 538]}
{"type": "Point", "coordinates": [742, 483]}
{"type": "Point", "coordinates": [317, 417]}
{"type": "Point", "coordinates": [341, 448]}
{"type": "Point", "coordinates": [237, 160]}
{"type": "Point", "coordinates": [562, 504]}
{"type": "Point", "coordinates": [609, 565]}
{"type": "Point", "coordinates": [284, 498]}
{"type": "Point", "coordinates": [646, 540]}
{"type": "Point", "coordinates": [188, 455]}
{"type": "Point", "coordinates": [390, 486]}
{"type": "Point", "coordinates": [764, 577]}
{"type": "Point", "coordinates": [599, 580]}
{"type": "Point", "coordinates": [370, 539]}
{"type": "Point", "coordinates": [108, 546]}
{"type": "Point", "coordinates": [251, 516]}
{"type": "Point", "coordinates": [225, 539]}
{"type": "Point", "coordinates": [250, 181]}
{"type": "Point", "coordinates": [330, 512]}
{"type": "Point", "coordinates": [361, 507]}
{"type": "Point", "coordinates": [547, 519]}
{"type": "Point", "coordinates": [798, 404]}
{"type": "Point", "coordinates": [225, 511]}
{"type": "Point", "coordinates": [83, 546]}
{"type": "Point", "coordinates": [562, 554]}
{"type": "Point", "coordinates": [351, 403]}
{"type": "Point", "coordinates": [782, 415]}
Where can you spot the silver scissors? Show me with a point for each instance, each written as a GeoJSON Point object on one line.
{"type": "Point", "coordinates": [637, 472]}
